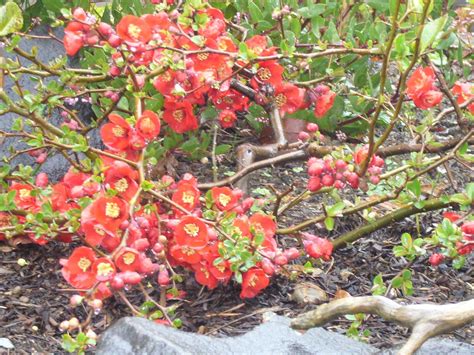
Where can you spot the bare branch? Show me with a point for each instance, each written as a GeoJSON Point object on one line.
{"type": "Point", "coordinates": [425, 320]}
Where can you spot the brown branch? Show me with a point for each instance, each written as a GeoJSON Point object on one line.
{"type": "Point", "coordinates": [425, 320]}
{"type": "Point", "coordinates": [381, 222]}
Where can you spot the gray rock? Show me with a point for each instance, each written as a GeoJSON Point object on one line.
{"type": "Point", "coordinates": [139, 336]}
{"type": "Point", "coordinates": [6, 343]}
{"type": "Point", "coordinates": [48, 50]}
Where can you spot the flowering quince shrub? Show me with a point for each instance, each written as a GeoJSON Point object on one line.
{"type": "Point", "coordinates": [168, 80]}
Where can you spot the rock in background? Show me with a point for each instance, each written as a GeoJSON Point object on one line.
{"type": "Point", "coordinates": [48, 50]}
{"type": "Point", "coordinates": [140, 336]}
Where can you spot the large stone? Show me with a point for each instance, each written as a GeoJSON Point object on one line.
{"type": "Point", "coordinates": [48, 51]}
{"type": "Point", "coordinates": [139, 336]}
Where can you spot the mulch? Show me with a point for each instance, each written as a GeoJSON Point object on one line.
{"type": "Point", "coordinates": [34, 298]}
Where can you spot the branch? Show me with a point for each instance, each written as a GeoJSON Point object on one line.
{"type": "Point", "coordinates": [425, 320]}
{"type": "Point", "coordinates": [398, 215]}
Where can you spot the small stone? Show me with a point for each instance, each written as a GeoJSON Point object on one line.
{"type": "Point", "coordinates": [24, 299]}
{"type": "Point", "coordinates": [341, 294]}
{"type": "Point", "coordinates": [16, 290]}
{"type": "Point", "coordinates": [6, 343]}
{"type": "Point", "coordinates": [307, 293]}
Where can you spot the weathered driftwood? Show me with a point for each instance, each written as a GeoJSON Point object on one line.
{"type": "Point", "coordinates": [425, 320]}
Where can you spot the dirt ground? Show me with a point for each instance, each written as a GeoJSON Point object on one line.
{"type": "Point", "coordinates": [34, 298]}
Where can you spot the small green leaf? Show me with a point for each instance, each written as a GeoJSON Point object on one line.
{"type": "Point", "coordinates": [431, 32]}
{"type": "Point", "coordinates": [329, 223]}
{"type": "Point", "coordinates": [11, 18]}
{"type": "Point", "coordinates": [223, 149]}
{"type": "Point", "coordinates": [255, 12]}
{"type": "Point", "coordinates": [397, 282]}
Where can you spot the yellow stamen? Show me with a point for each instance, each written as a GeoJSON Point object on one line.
{"type": "Point", "coordinates": [191, 229]}
{"type": "Point", "coordinates": [25, 193]}
{"type": "Point", "coordinates": [84, 264]}
{"type": "Point", "coordinates": [264, 73]}
{"type": "Point", "coordinates": [128, 258]}
{"type": "Point", "coordinates": [104, 269]}
{"type": "Point", "coordinates": [224, 199]}
{"type": "Point", "coordinates": [112, 210]}
{"type": "Point", "coordinates": [118, 131]}
{"type": "Point", "coordinates": [134, 31]}
{"type": "Point", "coordinates": [121, 185]}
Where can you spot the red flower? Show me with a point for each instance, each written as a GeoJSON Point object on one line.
{"type": "Point", "coordinates": [127, 259]}
{"type": "Point", "coordinates": [468, 227]}
{"type": "Point", "coordinates": [226, 44]}
{"type": "Point", "coordinates": [452, 216]}
{"type": "Point", "coordinates": [73, 38]}
{"type": "Point", "coordinates": [104, 269]}
{"type": "Point", "coordinates": [317, 247]}
{"type": "Point", "coordinates": [192, 232]}
{"type": "Point", "coordinates": [148, 125]}
{"type": "Point", "coordinates": [206, 60]}
{"type": "Point", "coordinates": [428, 99]}
{"type": "Point", "coordinates": [324, 100]}
{"type": "Point", "coordinates": [110, 212]}
{"type": "Point", "coordinates": [24, 198]}
{"type": "Point", "coordinates": [179, 116]}
{"type": "Point", "coordinates": [158, 22]}
{"type": "Point", "coordinates": [288, 98]}
{"type": "Point", "coordinates": [436, 259]}
{"type": "Point", "coordinates": [253, 282]}
{"type": "Point", "coordinates": [269, 72]}
{"type": "Point", "coordinates": [221, 271]}
{"type": "Point", "coordinates": [77, 270]}
{"type": "Point", "coordinates": [134, 30]}
{"type": "Point", "coordinates": [361, 155]}
{"type": "Point", "coordinates": [242, 227]}
{"type": "Point", "coordinates": [203, 276]}
{"type": "Point", "coordinates": [464, 92]}
{"type": "Point", "coordinates": [230, 100]}
{"type": "Point", "coordinates": [186, 195]}
{"type": "Point", "coordinates": [223, 198]}
{"type": "Point", "coordinates": [122, 178]}
{"type": "Point", "coordinates": [115, 134]}
{"type": "Point", "coordinates": [261, 223]}
{"type": "Point", "coordinates": [258, 44]}
{"type": "Point", "coordinates": [164, 83]}
{"type": "Point", "coordinates": [185, 254]}
{"type": "Point", "coordinates": [420, 81]}
{"type": "Point", "coordinates": [215, 25]}
{"type": "Point", "coordinates": [227, 118]}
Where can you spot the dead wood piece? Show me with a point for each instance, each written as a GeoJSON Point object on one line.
{"type": "Point", "coordinates": [425, 320]}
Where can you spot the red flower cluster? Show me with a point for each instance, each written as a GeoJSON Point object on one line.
{"type": "Point", "coordinates": [421, 88]}
{"type": "Point", "coordinates": [338, 173]}
{"type": "Point", "coordinates": [323, 98]}
{"type": "Point", "coordinates": [329, 172]}
{"type": "Point", "coordinates": [376, 164]}
{"type": "Point", "coordinates": [317, 247]}
{"type": "Point", "coordinates": [207, 67]}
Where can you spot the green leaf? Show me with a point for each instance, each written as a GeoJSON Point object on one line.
{"type": "Point", "coordinates": [11, 18]}
{"type": "Point", "coordinates": [329, 223]}
{"type": "Point", "coordinates": [431, 32]}
{"type": "Point", "coordinates": [397, 282]}
{"type": "Point", "coordinates": [255, 12]}
{"type": "Point", "coordinates": [223, 149]}
{"type": "Point", "coordinates": [406, 240]}
{"type": "Point", "coordinates": [335, 210]}
{"type": "Point", "coordinates": [415, 187]}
